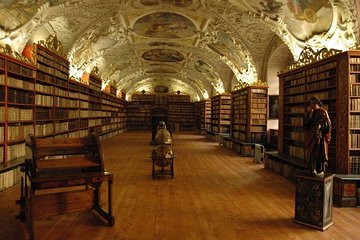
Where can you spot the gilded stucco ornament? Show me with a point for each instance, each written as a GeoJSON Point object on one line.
{"type": "Point", "coordinates": [52, 43]}
{"type": "Point", "coordinates": [7, 50]}
{"type": "Point", "coordinates": [308, 56]}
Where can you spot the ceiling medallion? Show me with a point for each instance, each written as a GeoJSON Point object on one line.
{"type": "Point", "coordinates": [308, 56]}
{"type": "Point", "coordinates": [52, 43]}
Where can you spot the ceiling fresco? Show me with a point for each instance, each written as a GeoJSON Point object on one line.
{"type": "Point", "coordinates": [163, 55]}
{"type": "Point", "coordinates": [199, 47]}
{"type": "Point", "coordinates": [164, 25]}
{"type": "Point", "coordinates": [303, 17]}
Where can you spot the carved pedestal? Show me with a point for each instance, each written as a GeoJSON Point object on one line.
{"type": "Point", "coordinates": [313, 200]}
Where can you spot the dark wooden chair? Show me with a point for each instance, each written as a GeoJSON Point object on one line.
{"type": "Point", "coordinates": [73, 168]}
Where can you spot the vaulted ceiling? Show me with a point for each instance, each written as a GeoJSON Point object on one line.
{"type": "Point", "coordinates": [199, 47]}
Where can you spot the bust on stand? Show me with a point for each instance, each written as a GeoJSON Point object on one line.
{"type": "Point", "coordinates": [313, 200]}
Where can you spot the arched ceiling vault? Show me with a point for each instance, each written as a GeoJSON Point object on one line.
{"type": "Point", "coordinates": [181, 44]}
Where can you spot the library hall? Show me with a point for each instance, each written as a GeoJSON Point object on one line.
{"type": "Point", "coordinates": [179, 120]}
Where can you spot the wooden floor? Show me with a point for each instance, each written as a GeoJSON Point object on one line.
{"type": "Point", "coordinates": [215, 194]}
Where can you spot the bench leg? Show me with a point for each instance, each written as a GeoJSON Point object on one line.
{"type": "Point", "coordinates": [107, 215]}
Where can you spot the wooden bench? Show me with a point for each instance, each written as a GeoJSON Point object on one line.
{"type": "Point", "coordinates": [73, 168]}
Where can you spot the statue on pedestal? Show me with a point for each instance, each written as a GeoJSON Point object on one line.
{"type": "Point", "coordinates": [317, 126]}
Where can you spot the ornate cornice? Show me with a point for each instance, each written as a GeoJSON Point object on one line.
{"type": "Point", "coordinates": [308, 56]}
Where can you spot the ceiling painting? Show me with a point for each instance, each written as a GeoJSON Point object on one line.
{"type": "Point", "coordinates": [163, 55]}
{"type": "Point", "coordinates": [176, 3]}
{"type": "Point", "coordinates": [168, 44]}
{"type": "Point", "coordinates": [164, 25]}
{"type": "Point", "coordinates": [302, 17]}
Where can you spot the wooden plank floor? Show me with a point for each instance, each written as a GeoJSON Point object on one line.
{"type": "Point", "coordinates": [216, 194]}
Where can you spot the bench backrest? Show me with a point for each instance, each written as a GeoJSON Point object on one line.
{"type": "Point", "coordinates": [86, 148]}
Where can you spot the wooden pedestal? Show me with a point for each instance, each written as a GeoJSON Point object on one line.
{"type": "Point", "coordinates": [313, 200]}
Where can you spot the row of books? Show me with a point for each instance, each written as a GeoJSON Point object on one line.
{"type": "Point", "coordinates": [241, 136]}
{"type": "Point", "coordinates": [295, 151]}
{"type": "Point", "coordinates": [19, 132]}
{"type": "Point", "coordinates": [295, 134]}
{"type": "Point", "coordinates": [321, 84]}
{"type": "Point", "coordinates": [298, 121]}
{"type": "Point", "coordinates": [50, 55]}
{"type": "Point", "coordinates": [294, 90]}
{"type": "Point", "coordinates": [20, 69]}
{"type": "Point", "coordinates": [9, 178]}
{"type": "Point", "coordinates": [258, 121]}
{"type": "Point", "coordinates": [18, 83]}
{"type": "Point", "coordinates": [258, 128]}
{"type": "Point", "coordinates": [355, 90]}
{"type": "Point", "coordinates": [239, 127]}
{"type": "Point", "coordinates": [355, 104]}
{"type": "Point", "coordinates": [20, 97]}
{"type": "Point", "coordinates": [354, 164]}
{"type": "Point", "coordinates": [18, 114]}
{"type": "Point", "coordinates": [354, 139]}
{"type": "Point", "coordinates": [2, 134]}
{"type": "Point", "coordinates": [322, 68]}
{"type": "Point", "coordinates": [259, 110]}
{"type": "Point", "coordinates": [44, 88]}
{"type": "Point", "coordinates": [52, 72]}
{"type": "Point", "coordinates": [354, 68]}
{"type": "Point", "coordinates": [54, 63]}
{"type": "Point", "coordinates": [354, 59]}
{"type": "Point", "coordinates": [354, 121]}
{"type": "Point", "coordinates": [294, 82]}
{"type": "Point", "coordinates": [322, 75]}
{"type": "Point", "coordinates": [18, 151]}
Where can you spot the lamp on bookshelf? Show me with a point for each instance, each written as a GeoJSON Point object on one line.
{"type": "Point", "coordinates": [178, 92]}
{"type": "Point", "coordinates": [143, 91]}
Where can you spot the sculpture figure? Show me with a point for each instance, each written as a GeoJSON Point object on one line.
{"type": "Point", "coordinates": [317, 126]}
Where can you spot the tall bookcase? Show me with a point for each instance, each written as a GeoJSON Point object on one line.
{"type": "Point", "coordinates": [220, 113]}
{"type": "Point", "coordinates": [336, 81]}
{"type": "Point", "coordinates": [42, 101]}
{"type": "Point", "coordinates": [205, 114]}
{"type": "Point", "coordinates": [249, 114]}
{"type": "Point", "coordinates": [179, 111]}
{"type": "Point", "coordinates": [17, 98]}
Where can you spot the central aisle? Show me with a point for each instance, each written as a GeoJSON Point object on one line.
{"type": "Point", "coordinates": [215, 195]}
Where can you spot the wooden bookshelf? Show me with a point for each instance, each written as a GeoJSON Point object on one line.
{"type": "Point", "coordinates": [205, 114]}
{"type": "Point", "coordinates": [220, 113]}
{"type": "Point", "coordinates": [249, 114]}
{"type": "Point", "coordinates": [179, 111]}
{"type": "Point", "coordinates": [336, 82]}
{"type": "Point", "coordinates": [40, 100]}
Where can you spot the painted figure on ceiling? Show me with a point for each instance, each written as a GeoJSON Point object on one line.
{"type": "Point", "coordinates": [306, 9]}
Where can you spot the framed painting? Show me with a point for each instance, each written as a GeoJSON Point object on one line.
{"type": "Point", "coordinates": [273, 106]}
